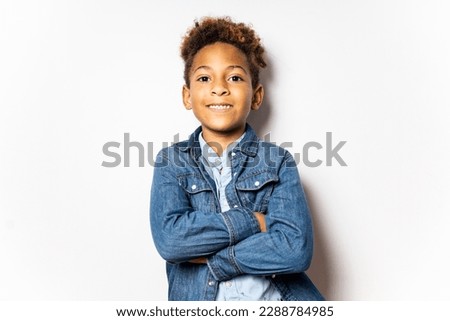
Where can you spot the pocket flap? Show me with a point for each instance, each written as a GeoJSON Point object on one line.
{"type": "Point", "coordinates": [256, 180]}
{"type": "Point", "coordinates": [193, 183]}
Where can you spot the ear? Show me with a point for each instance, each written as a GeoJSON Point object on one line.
{"type": "Point", "coordinates": [258, 96]}
{"type": "Point", "coordinates": [187, 97]}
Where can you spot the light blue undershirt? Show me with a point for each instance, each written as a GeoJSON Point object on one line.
{"type": "Point", "coordinates": [243, 287]}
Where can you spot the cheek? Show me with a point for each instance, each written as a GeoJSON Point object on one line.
{"type": "Point", "coordinates": [247, 97]}
{"type": "Point", "coordinates": [197, 94]}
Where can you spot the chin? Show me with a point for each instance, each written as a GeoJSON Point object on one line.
{"type": "Point", "coordinates": [225, 129]}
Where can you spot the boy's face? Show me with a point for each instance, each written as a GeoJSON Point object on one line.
{"type": "Point", "coordinates": [221, 94]}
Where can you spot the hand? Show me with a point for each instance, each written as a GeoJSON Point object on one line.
{"type": "Point", "coordinates": [200, 260]}
{"type": "Point", "coordinates": [261, 218]}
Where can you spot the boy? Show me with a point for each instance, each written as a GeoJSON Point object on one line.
{"type": "Point", "coordinates": [228, 212]}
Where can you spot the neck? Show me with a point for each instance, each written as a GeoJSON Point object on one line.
{"type": "Point", "coordinates": [220, 141]}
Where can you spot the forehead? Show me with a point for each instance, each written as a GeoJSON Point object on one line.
{"type": "Point", "coordinates": [220, 55]}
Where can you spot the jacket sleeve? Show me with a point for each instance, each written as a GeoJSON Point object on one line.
{"type": "Point", "coordinates": [180, 232]}
{"type": "Point", "coordinates": [287, 245]}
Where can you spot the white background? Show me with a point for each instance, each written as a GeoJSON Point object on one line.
{"type": "Point", "coordinates": [77, 74]}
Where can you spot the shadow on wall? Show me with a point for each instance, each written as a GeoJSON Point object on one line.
{"type": "Point", "coordinates": [259, 119]}
{"type": "Point", "coordinates": [320, 270]}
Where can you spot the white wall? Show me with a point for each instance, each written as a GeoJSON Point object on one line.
{"type": "Point", "coordinates": [77, 74]}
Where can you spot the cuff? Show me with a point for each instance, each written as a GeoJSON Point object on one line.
{"type": "Point", "coordinates": [241, 223]}
{"type": "Point", "coordinates": [223, 265]}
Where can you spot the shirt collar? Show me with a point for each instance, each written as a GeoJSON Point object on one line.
{"type": "Point", "coordinates": [212, 158]}
{"type": "Point", "coordinates": [248, 144]}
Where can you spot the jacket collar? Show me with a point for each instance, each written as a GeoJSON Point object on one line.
{"type": "Point", "coordinates": [248, 145]}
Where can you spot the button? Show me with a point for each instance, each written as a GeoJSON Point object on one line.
{"type": "Point", "coordinates": [194, 186]}
{"type": "Point", "coordinates": [211, 283]}
{"type": "Point", "coordinates": [257, 183]}
{"type": "Point", "coordinates": [228, 284]}
{"type": "Point", "coordinates": [233, 154]}
{"type": "Point", "coordinates": [273, 276]}
{"type": "Point", "coordinates": [234, 174]}
{"type": "Point", "coordinates": [235, 206]}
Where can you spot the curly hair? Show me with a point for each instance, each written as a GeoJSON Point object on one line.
{"type": "Point", "coordinates": [210, 30]}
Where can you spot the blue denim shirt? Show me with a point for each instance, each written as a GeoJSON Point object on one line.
{"type": "Point", "coordinates": [242, 287]}
{"type": "Point", "coordinates": [187, 223]}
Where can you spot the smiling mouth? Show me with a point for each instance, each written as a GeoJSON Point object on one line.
{"type": "Point", "coordinates": [219, 106]}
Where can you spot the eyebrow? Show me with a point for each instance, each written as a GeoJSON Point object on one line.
{"type": "Point", "coordinates": [229, 67]}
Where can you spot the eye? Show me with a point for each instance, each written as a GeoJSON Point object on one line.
{"type": "Point", "coordinates": [203, 79]}
{"type": "Point", "coordinates": [236, 78]}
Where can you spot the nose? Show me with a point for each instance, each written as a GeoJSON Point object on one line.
{"type": "Point", "coordinates": [219, 88]}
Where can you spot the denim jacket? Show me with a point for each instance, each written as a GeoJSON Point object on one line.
{"type": "Point", "coordinates": [186, 221]}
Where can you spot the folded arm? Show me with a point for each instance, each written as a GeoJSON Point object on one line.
{"type": "Point", "coordinates": [181, 233]}
{"type": "Point", "coordinates": [287, 245]}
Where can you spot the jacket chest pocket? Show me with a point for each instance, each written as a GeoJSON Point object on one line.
{"type": "Point", "coordinates": [198, 191]}
{"type": "Point", "coordinates": [254, 189]}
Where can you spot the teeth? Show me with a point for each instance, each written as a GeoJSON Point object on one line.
{"type": "Point", "coordinates": [219, 106]}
